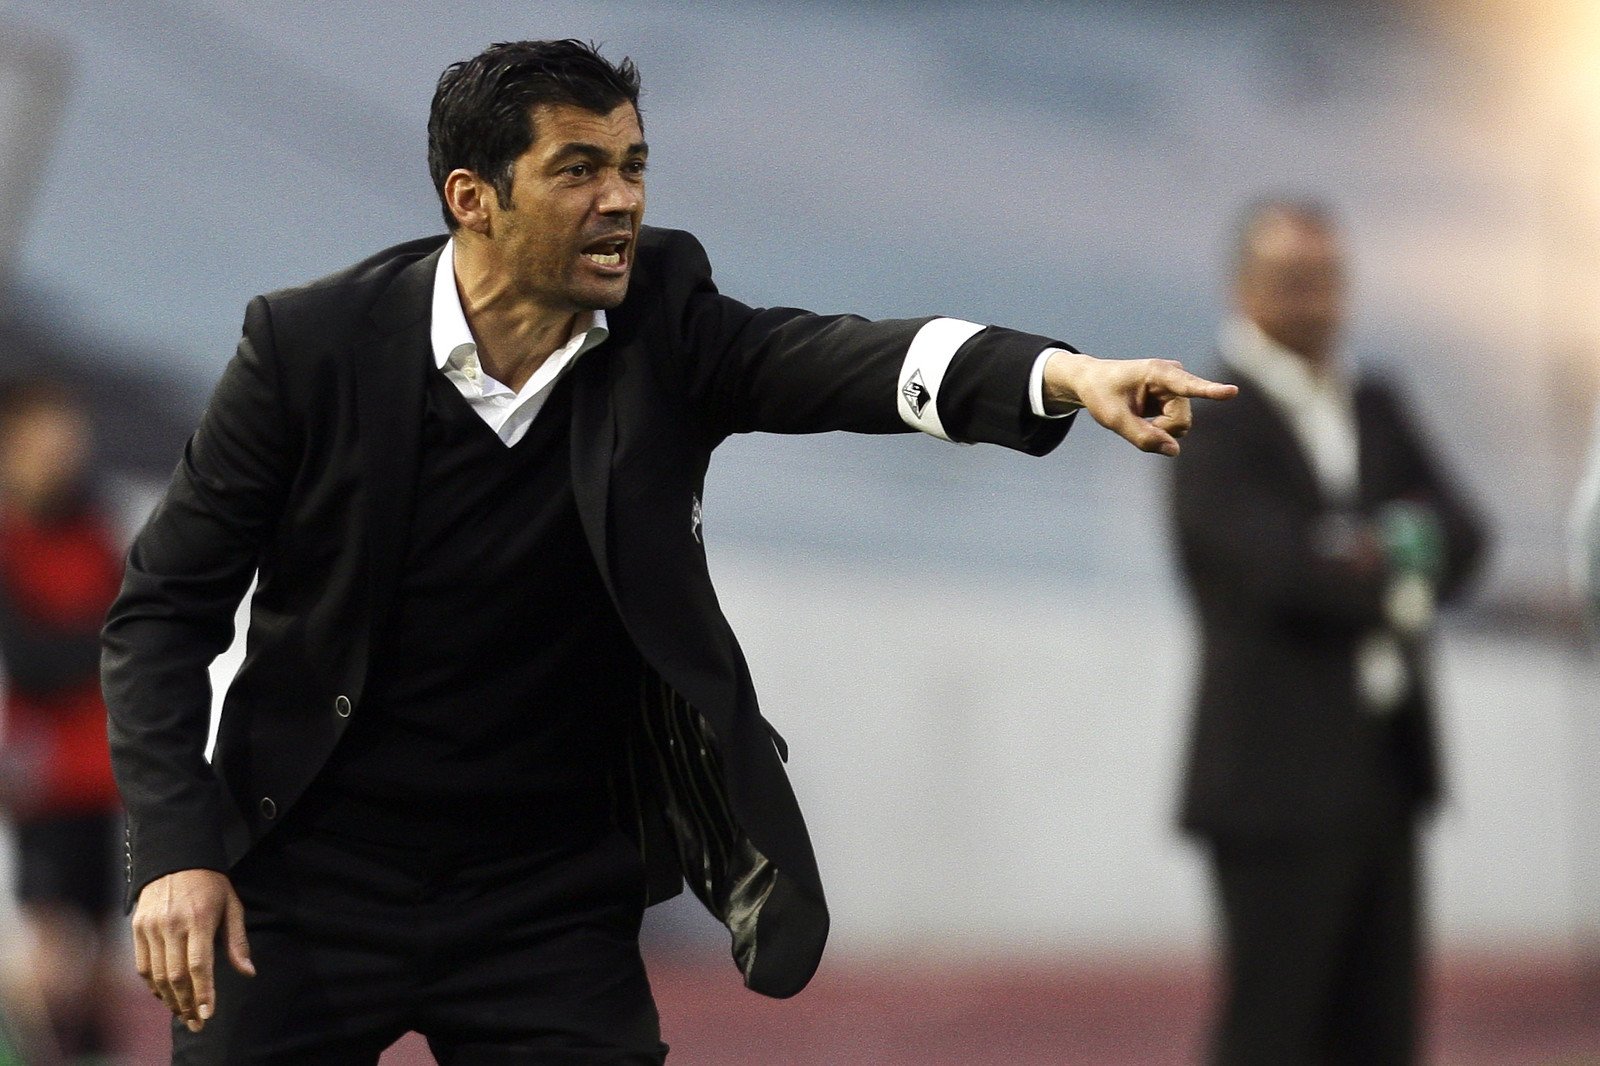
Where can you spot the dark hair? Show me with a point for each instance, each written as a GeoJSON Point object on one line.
{"type": "Point", "coordinates": [23, 396]}
{"type": "Point", "coordinates": [482, 114]}
{"type": "Point", "coordinates": [1258, 213]}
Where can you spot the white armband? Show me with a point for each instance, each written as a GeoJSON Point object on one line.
{"type": "Point", "coordinates": [923, 372]}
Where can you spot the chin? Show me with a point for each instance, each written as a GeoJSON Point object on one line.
{"type": "Point", "coordinates": [602, 299]}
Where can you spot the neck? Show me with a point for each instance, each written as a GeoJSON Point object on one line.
{"type": "Point", "coordinates": [1318, 358]}
{"type": "Point", "coordinates": [41, 509]}
{"type": "Point", "coordinates": [1319, 362]}
{"type": "Point", "coordinates": [514, 334]}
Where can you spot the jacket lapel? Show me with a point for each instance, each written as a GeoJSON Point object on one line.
{"type": "Point", "coordinates": [594, 432]}
{"type": "Point", "coordinates": [391, 375]}
{"type": "Point", "coordinates": [1368, 430]}
{"type": "Point", "coordinates": [1285, 443]}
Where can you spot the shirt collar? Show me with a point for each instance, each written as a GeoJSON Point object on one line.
{"type": "Point", "coordinates": [450, 333]}
{"type": "Point", "coordinates": [1281, 373]}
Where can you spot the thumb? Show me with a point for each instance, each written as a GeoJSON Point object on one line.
{"type": "Point", "coordinates": [1137, 431]}
{"type": "Point", "coordinates": [238, 943]}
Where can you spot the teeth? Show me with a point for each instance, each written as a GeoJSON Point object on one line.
{"type": "Point", "coordinates": [610, 259]}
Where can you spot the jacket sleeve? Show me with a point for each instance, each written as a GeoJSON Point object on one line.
{"type": "Point", "coordinates": [186, 573]}
{"type": "Point", "coordinates": [1247, 542]}
{"type": "Point", "coordinates": [783, 370]}
{"type": "Point", "coordinates": [1424, 480]}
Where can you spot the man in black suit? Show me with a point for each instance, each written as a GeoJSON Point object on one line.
{"type": "Point", "coordinates": [490, 708]}
{"type": "Point", "coordinates": [1317, 533]}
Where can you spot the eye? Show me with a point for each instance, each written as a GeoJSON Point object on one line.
{"type": "Point", "coordinates": [635, 168]}
{"type": "Point", "coordinates": [578, 170]}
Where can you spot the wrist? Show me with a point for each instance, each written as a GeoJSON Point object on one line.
{"type": "Point", "coordinates": [1063, 375]}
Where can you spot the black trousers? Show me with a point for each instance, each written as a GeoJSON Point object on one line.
{"type": "Point", "coordinates": [523, 952]}
{"type": "Point", "coordinates": [72, 860]}
{"type": "Point", "coordinates": [1322, 949]}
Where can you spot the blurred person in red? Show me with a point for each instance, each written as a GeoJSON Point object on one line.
{"type": "Point", "coordinates": [1317, 531]}
{"type": "Point", "coordinates": [60, 569]}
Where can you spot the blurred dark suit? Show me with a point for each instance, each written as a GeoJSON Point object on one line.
{"type": "Point", "coordinates": [1307, 788]}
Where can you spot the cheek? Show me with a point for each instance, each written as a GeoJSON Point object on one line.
{"type": "Point", "coordinates": [540, 250]}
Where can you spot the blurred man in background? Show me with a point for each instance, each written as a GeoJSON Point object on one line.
{"type": "Point", "coordinates": [1317, 532]}
{"type": "Point", "coordinates": [60, 569]}
{"type": "Point", "coordinates": [1585, 535]}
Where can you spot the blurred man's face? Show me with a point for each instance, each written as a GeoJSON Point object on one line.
{"type": "Point", "coordinates": [1291, 284]}
{"type": "Point", "coordinates": [43, 456]}
{"type": "Point", "coordinates": [577, 201]}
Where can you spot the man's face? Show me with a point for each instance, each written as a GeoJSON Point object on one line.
{"type": "Point", "coordinates": [43, 455]}
{"type": "Point", "coordinates": [577, 200]}
{"type": "Point", "coordinates": [1291, 284]}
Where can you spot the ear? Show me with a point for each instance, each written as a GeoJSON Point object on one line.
{"type": "Point", "coordinates": [470, 199]}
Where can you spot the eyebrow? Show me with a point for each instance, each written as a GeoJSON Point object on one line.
{"type": "Point", "coordinates": [595, 151]}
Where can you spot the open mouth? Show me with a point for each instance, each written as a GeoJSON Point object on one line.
{"type": "Point", "coordinates": [610, 252]}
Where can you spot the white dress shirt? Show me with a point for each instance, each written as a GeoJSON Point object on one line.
{"type": "Point", "coordinates": [455, 353]}
{"type": "Point", "coordinates": [1318, 407]}
{"type": "Point", "coordinates": [1036, 386]}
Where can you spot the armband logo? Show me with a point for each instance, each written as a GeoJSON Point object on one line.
{"type": "Point", "coordinates": [916, 393]}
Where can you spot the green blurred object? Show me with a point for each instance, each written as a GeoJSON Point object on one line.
{"type": "Point", "coordinates": [1413, 543]}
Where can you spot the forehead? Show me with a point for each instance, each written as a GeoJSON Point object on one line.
{"type": "Point", "coordinates": [555, 126]}
{"type": "Point", "coordinates": [1291, 238]}
{"type": "Point", "coordinates": [57, 416]}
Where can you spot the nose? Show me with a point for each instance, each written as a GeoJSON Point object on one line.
{"type": "Point", "coordinates": [620, 196]}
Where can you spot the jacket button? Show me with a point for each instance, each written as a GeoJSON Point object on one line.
{"type": "Point", "coordinates": [341, 706]}
{"type": "Point", "coordinates": [269, 810]}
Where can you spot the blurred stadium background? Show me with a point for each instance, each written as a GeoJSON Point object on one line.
{"type": "Point", "coordinates": [981, 662]}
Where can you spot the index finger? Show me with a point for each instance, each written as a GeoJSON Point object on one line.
{"type": "Point", "coordinates": [1180, 382]}
{"type": "Point", "coordinates": [179, 984]}
{"type": "Point", "coordinates": [202, 955]}
{"type": "Point", "coordinates": [141, 956]}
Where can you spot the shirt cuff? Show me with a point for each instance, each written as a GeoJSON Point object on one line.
{"type": "Point", "coordinates": [1036, 387]}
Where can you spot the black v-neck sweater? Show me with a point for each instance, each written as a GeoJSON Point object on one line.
{"type": "Point", "coordinates": [503, 674]}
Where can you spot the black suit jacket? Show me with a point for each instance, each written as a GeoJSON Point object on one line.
{"type": "Point", "coordinates": [303, 468]}
{"type": "Point", "coordinates": [1281, 742]}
